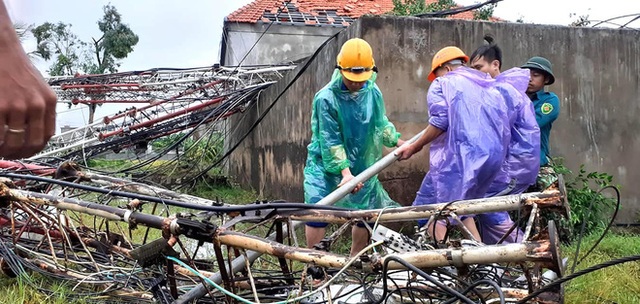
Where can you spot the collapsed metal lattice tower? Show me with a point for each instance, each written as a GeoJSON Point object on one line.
{"type": "Point", "coordinates": [171, 100]}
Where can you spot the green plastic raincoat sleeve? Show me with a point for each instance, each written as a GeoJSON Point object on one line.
{"type": "Point", "coordinates": [389, 134]}
{"type": "Point", "coordinates": [334, 156]}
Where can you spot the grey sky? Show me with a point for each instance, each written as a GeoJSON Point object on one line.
{"type": "Point", "coordinates": [184, 34]}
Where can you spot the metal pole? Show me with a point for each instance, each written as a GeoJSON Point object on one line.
{"type": "Point", "coordinates": [239, 263]}
{"type": "Point", "coordinates": [548, 200]}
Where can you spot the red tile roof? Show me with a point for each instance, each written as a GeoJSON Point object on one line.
{"type": "Point", "coordinates": [312, 12]}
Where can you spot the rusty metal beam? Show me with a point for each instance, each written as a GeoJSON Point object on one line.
{"type": "Point", "coordinates": [553, 199]}
{"type": "Point", "coordinates": [538, 251]}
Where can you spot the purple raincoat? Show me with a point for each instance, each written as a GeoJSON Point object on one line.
{"type": "Point", "coordinates": [467, 157]}
{"type": "Point", "coordinates": [523, 157]}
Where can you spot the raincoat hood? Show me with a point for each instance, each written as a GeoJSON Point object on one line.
{"type": "Point", "coordinates": [517, 77]}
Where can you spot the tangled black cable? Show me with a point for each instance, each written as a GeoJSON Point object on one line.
{"type": "Point", "coordinates": [604, 233]}
{"type": "Point", "coordinates": [385, 266]}
{"type": "Point", "coordinates": [153, 199]}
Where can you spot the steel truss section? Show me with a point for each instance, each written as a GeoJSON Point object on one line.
{"type": "Point", "coordinates": [169, 94]}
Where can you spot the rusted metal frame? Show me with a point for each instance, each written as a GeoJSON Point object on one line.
{"type": "Point", "coordinates": [70, 204]}
{"type": "Point", "coordinates": [108, 212]}
{"type": "Point", "coordinates": [551, 200]}
{"type": "Point", "coordinates": [509, 293]}
{"type": "Point", "coordinates": [189, 260]}
{"type": "Point", "coordinates": [253, 248]}
{"type": "Point", "coordinates": [171, 275]}
{"type": "Point", "coordinates": [146, 233]}
{"type": "Point", "coordinates": [222, 265]}
{"type": "Point", "coordinates": [46, 231]}
{"type": "Point", "coordinates": [265, 246]}
{"type": "Point", "coordinates": [24, 227]}
{"type": "Point", "coordinates": [281, 260]}
{"type": "Point", "coordinates": [529, 276]}
{"type": "Point", "coordinates": [236, 254]}
{"type": "Point", "coordinates": [532, 216]}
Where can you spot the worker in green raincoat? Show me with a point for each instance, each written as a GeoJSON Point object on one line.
{"type": "Point", "coordinates": [349, 128]}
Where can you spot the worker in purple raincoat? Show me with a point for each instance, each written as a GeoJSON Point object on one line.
{"type": "Point", "coordinates": [469, 135]}
{"type": "Point", "coordinates": [520, 168]}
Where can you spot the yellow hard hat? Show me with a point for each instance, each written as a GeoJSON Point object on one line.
{"type": "Point", "coordinates": [355, 60]}
{"type": "Point", "coordinates": [443, 56]}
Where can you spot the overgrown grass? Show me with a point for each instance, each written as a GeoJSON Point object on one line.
{"type": "Point", "coordinates": [18, 290]}
{"type": "Point", "coordinates": [616, 284]}
{"type": "Point", "coordinates": [225, 193]}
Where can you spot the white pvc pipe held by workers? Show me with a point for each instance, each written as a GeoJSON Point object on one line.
{"type": "Point", "coordinates": [384, 162]}
{"type": "Point", "coordinates": [239, 263]}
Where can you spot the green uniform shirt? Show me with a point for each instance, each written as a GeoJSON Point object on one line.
{"type": "Point", "coordinates": [547, 106]}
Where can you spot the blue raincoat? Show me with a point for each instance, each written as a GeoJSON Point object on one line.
{"type": "Point", "coordinates": [465, 159]}
{"type": "Point", "coordinates": [523, 157]}
{"type": "Point", "coordinates": [348, 130]}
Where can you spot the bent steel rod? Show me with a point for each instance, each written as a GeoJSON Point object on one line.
{"type": "Point", "coordinates": [239, 263]}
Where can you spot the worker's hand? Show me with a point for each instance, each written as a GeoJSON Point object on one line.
{"type": "Point", "coordinates": [346, 178]}
{"type": "Point", "coordinates": [406, 151]}
{"type": "Point", "coordinates": [27, 106]}
{"type": "Point", "coordinates": [400, 142]}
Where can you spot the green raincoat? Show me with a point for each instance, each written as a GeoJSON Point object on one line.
{"type": "Point", "coordinates": [348, 131]}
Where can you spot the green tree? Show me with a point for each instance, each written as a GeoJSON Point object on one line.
{"type": "Point", "coordinates": [116, 43]}
{"type": "Point", "coordinates": [70, 55]}
{"type": "Point", "coordinates": [23, 31]}
{"type": "Point", "coordinates": [414, 7]}
{"type": "Point", "coordinates": [56, 42]}
{"type": "Point", "coordinates": [441, 5]}
{"type": "Point", "coordinates": [484, 13]}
